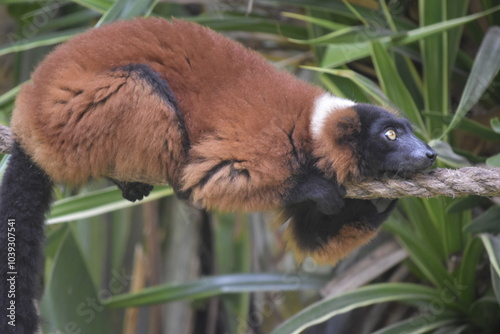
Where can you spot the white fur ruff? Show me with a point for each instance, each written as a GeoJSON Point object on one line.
{"type": "Point", "coordinates": [324, 106]}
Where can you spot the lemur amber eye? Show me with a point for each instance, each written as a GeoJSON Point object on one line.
{"type": "Point", "coordinates": [391, 135]}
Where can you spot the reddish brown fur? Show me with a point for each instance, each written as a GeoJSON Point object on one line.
{"type": "Point", "coordinates": [337, 248]}
{"type": "Point", "coordinates": [335, 145]}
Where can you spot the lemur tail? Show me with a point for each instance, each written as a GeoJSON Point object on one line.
{"type": "Point", "coordinates": [25, 197]}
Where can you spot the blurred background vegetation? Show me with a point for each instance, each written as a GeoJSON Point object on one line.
{"type": "Point", "coordinates": [162, 267]}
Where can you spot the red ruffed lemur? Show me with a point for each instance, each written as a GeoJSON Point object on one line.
{"type": "Point", "coordinates": [148, 101]}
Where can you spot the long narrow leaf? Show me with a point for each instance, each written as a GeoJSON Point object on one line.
{"type": "Point", "coordinates": [314, 20]}
{"type": "Point", "coordinates": [366, 85]}
{"type": "Point", "coordinates": [369, 295]}
{"type": "Point", "coordinates": [434, 52]}
{"type": "Point", "coordinates": [417, 325]}
{"type": "Point", "coordinates": [10, 96]}
{"type": "Point", "coordinates": [97, 203]}
{"type": "Point", "coordinates": [492, 245]}
{"type": "Point", "coordinates": [486, 66]}
{"type": "Point", "coordinates": [467, 273]}
{"type": "Point", "coordinates": [486, 222]}
{"type": "Point", "coordinates": [100, 6]}
{"type": "Point", "coordinates": [495, 280]}
{"type": "Point", "coordinates": [426, 258]}
{"type": "Point", "coordinates": [345, 35]}
{"type": "Point", "coordinates": [253, 24]}
{"type": "Point", "coordinates": [394, 87]}
{"type": "Point", "coordinates": [214, 286]}
{"type": "Point", "coordinates": [19, 44]}
{"type": "Point", "coordinates": [466, 124]}
{"type": "Point", "coordinates": [126, 9]}
{"type": "Point", "coordinates": [12, 2]}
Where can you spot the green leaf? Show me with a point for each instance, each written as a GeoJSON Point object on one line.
{"type": "Point", "coordinates": [253, 24]}
{"type": "Point", "coordinates": [369, 295]}
{"type": "Point", "coordinates": [394, 87]}
{"type": "Point", "coordinates": [434, 55]}
{"type": "Point", "coordinates": [18, 43]}
{"type": "Point", "coordinates": [420, 223]}
{"type": "Point", "coordinates": [214, 286]}
{"type": "Point", "coordinates": [417, 325]}
{"type": "Point", "coordinates": [3, 164]}
{"type": "Point", "coordinates": [335, 7]}
{"type": "Point", "coordinates": [233, 255]}
{"type": "Point", "coordinates": [314, 20]}
{"type": "Point", "coordinates": [12, 2]}
{"type": "Point", "coordinates": [426, 257]}
{"type": "Point", "coordinates": [466, 203]}
{"type": "Point", "coordinates": [98, 5]}
{"type": "Point", "coordinates": [484, 312]}
{"type": "Point", "coordinates": [341, 53]}
{"type": "Point", "coordinates": [96, 203]}
{"type": "Point", "coordinates": [488, 222]}
{"type": "Point", "coordinates": [456, 329]}
{"type": "Point", "coordinates": [495, 279]}
{"type": "Point", "coordinates": [368, 86]}
{"type": "Point", "coordinates": [126, 9]}
{"type": "Point", "coordinates": [10, 96]}
{"type": "Point", "coordinates": [492, 246]}
{"type": "Point", "coordinates": [495, 124]}
{"type": "Point", "coordinates": [486, 66]}
{"type": "Point", "coordinates": [447, 155]}
{"type": "Point", "coordinates": [466, 124]}
{"type": "Point", "coordinates": [494, 160]}
{"type": "Point", "coordinates": [70, 301]}
{"type": "Point", "coordinates": [471, 259]}
{"type": "Point", "coordinates": [343, 87]}
{"type": "Point", "coordinates": [82, 17]}
{"type": "Point", "coordinates": [346, 35]}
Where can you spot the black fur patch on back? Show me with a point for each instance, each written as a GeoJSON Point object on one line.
{"type": "Point", "coordinates": [161, 87]}
{"type": "Point", "coordinates": [25, 197]}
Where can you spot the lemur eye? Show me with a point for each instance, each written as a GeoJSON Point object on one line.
{"type": "Point", "coordinates": [391, 135]}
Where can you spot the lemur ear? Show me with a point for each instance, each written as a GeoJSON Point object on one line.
{"type": "Point", "coordinates": [336, 144]}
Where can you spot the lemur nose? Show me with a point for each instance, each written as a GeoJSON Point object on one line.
{"type": "Point", "coordinates": [431, 155]}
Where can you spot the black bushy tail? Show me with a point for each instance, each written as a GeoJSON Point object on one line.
{"type": "Point", "coordinates": [25, 197]}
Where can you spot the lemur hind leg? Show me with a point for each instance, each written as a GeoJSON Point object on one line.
{"type": "Point", "coordinates": [133, 191]}
{"type": "Point", "coordinates": [122, 123]}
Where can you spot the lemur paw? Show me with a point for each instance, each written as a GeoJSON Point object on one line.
{"type": "Point", "coordinates": [134, 191]}
{"type": "Point", "coordinates": [327, 194]}
{"type": "Point", "coordinates": [329, 199]}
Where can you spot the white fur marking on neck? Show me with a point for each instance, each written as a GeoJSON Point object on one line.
{"type": "Point", "coordinates": [324, 106]}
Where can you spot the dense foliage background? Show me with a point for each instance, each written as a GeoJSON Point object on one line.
{"type": "Point", "coordinates": [162, 267]}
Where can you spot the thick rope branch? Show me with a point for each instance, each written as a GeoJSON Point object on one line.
{"type": "Point", "coordinates": [439, 182]}
{"type": "Point", "coordinates": [6, 139]}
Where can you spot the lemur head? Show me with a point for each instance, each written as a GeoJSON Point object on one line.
{"type": "Point", "coordinates": [352, 140]}
{"type": "Point", "coordinates": [387, 144]}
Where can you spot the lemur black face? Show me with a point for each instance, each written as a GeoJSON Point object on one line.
{"type": "Point", "coordinates": [387, 144]}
